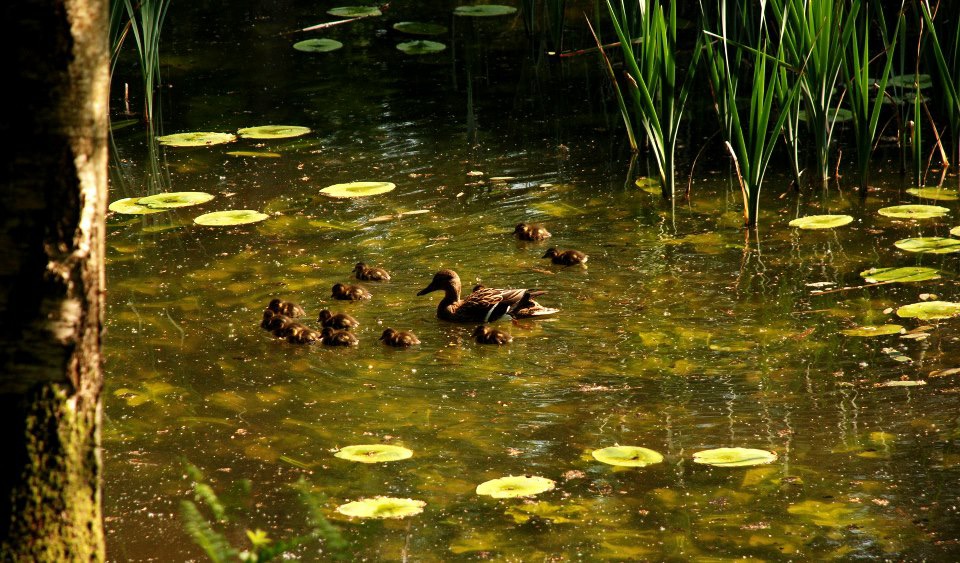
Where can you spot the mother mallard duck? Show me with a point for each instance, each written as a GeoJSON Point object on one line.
{"type": "Point", "coordinates": [486, 304]}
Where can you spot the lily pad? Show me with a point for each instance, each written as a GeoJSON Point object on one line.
{"type": "Point", "coordinates": [821, 221]}
{"type": "Point", "coordinates": [910, 80]}
{"type": "Point", "coordinates": [273, 131]}
{"type": "Point", "coordinates": [317, 45]}
{"type": "Point", "coordinates": [929, 245]}
{"type": "Point", "coordinates": [649, 185]}
{"type": "Point", "coordinates": [355, 11]}
{"type": "Point", "coordinates": [484, 10]}
{"type": "Point", "coordinates": [373, 453]}
{"type": "Point", "coordinates": [877, 330]}
{"type": "Point", "coordinates": [515, 486]}
{"type": "Point", "coordinates": [172, 200]}
{"type": "Point", "coordinates": [129, 206]}
{"type": "Point", "coordinates": [914, 211]}
{"type": "Point", "coordinates": [930, 310]}
{"type": "Point", "coordinates": [421, 47]}
{"type": "Point", "coordinates": [545, 511]}
{"type": "Point", "coordinates": [734, 457]}
{"type": "Point", "coordinates": [255, 154]}
{"type": "Point", "coordinates": [955, 231]}
{"type": "Point", "coordinates": [627, 456]}
{"type": "Point", "coordinates": [358, 189]}
{"type": "Point", "coordinates": [900, 275]}
{"type": "Point", "coordinates": [382, 507]}
{"type": "Point", "coordinates": [420, 28]}
{"type": "Point", "coordinates": [902, 383]}
{"type": "Point", "coordinates": [196, 139]}
{"type": "Point", "coordinates": [230, 218]}
{"type": "Point", "coordinates": [936, 194]}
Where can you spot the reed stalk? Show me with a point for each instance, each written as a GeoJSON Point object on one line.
{"type": "Point", "coordinates": [144, 21]}
{"type": "Point", "coordinates": [948, 70]}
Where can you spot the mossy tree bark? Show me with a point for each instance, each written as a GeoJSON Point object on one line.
{"type": "Point", "coordinates": [52, 205]}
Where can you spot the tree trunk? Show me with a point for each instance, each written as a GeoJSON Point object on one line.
{"type": "Point", "coordinates": [53, 186]}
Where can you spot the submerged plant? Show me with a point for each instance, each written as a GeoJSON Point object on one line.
{"type": "Point", "coordinates": [144, 22]}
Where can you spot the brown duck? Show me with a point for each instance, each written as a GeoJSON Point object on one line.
{"type": "Point", "coordinates": [523, 231]}
{"type": "Point", "coordinates": [398, 338]}
{"type": "Point", "coordinates": [484, 305]}
{"type": "Point", "coordinates": [350, 292]}
{"type": "Point", "coordinates": [301, 334]}
{"type": "Point", "coordinates": [332, 337]}
{"type": "Point", "coordinates": [369, 273]}
{"type": "Point", "coordinates": [286, 308]}
{"type": "Point", "coordinates": [566, 257]}
{"type": "Point", "coordinates": [488, 335]}
{"type": "Point", "coordinates": [341, 321]}
{"type": "Point", "coordinates": [280, 325]}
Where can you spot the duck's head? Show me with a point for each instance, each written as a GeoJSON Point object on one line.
{"type": "Point", "coordinates": [443, 279]}
{"type": "Point", "coordinates": [481, 330]}
{"type": "Point", "coordinates": [275, 305]}
{"type": "Point", "coordinates": [324, 316]}
{"type": "Point", "coordinates": [520, 228]}
{"type": "Point", "coordinates": [359, 267]}
{"type": "Point", "coordinates": [326, 333]}
{"type": "Point", "coordinates": [551, 252]}
{"type": "Point", "coordinates": [388, 333]}
{"type": "Point", "coordinates": [338, 289]}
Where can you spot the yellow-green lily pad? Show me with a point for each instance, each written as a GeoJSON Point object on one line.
{"type": "Point", "coordinates": [355, 11]}
{"type": "Point", "coordinates": [821, 221]}
{"type": "Point", "coordinates": [649, 185]}
{"type": "Point", "coordinates": [373, 453]}
{"type": "Point", "coordinates": [421, 47]}
{"type": "Point", "coordinates": [914, 211]}
{"type": "Point", "coordinates": [955, 231]}
{"type": "Point", "coordinates": [196, 139]}
{"type": "Point", "coordinates": [515, 486]}
{"type": "Point", "coordinates": [876, 330]}
{"type": "Point", "coordinates": [826, 514]}
{"type": "Point", "coordinates": [130, 206]}
{"type": "Point", "coordinates": [255, 154]}
{"type": "Point", "coordinates": [929, 245]}
{"type": "Point", "coordinates": [911, 81]}
{"type": "Point", "coordinates": [930, 310]}
{"type": "Point", "coordinates": [484, 10]}
{"type": "Point", "coordinates": [627, 456]}
{"type": "Point", "coordinates": [173, 200]}
{"type": "Point", "coordinates": [382, 507]}
{"type": "Point", "coordinates": [419, 28]}
{"type": "Point", "coordinates": [734, 457]}
{"type": "Point", "coordinates": [273, 131]}
{"type": "Point", "coordinates": [899, 275]}
{"type": "Point", "coordinates": [317, 45]}
{"type": "Point", "coordinates": [230, 218]}
{"type": "Point", "coordinates": [554, 513]}
{"type": "Point", "coordinates": [903, 383]}
{"type": "Point", "coordinates": [937, 194]}
{"type": "Point", "coordinates": [358, 189]}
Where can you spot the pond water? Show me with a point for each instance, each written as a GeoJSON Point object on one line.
{"type": "Point", "coordinates": [682, 334]}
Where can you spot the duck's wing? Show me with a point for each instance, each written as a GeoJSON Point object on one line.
{"type": "Point", "coordinates": [489, 304]}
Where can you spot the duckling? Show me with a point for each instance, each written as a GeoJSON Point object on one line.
{"type": "Point", "coordinates": [531, 232]}
{"type": "Point", "coordinates": [399, 339]}
{"type": "Point", "coordinates": [338, 320]}
{"type": "Point", "coordinates": [280, 324]}
{"type": "Point", "coordinates": [566, 257]}
{"type": "Point", "coordinates": [369, 273]}
{"type": "Point", "coordinates": [267, 316]}
{"type": "Point", "coordinates": [301, 334]}
{"type": "Point", "coordinates": [489, 335]}
{"type": "Point", "coordinates": [350, 292]}
{"type": "Point", "coordinates": [286, 308]}
{"type": "Point", "coordinates": [332, 337]}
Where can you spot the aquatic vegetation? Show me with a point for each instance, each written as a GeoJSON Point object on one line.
{"type": "Point", "coordinates": [821, 221]}
{"type": "Point", "coordinates": [930, 310]}
{"type": "Point", "coordinates": [318, 45]}
{"type": "Point", "coordinates": [515, 486]}
{"type": "Point", "coordinates": [420, 47]}
{"type": "Point", "coordinates": [273, 131]}
{"type": "Point", "coordinates": [935, 193]}
{"type": "Point", "coordinates": [484, 10]}
{"type": "Point", "coordinates": [914, 211]}
{"type": "Point", "coordinates": [145, 21]}
{"type": "Point", "coordinates": [358, 189]}
{"type": "Point", "coordinates": [373, 453]}
{"type": "Point", "coordinates": [627, 456]}
{"type": "Point", "coordinates": [255, 154]}
{"type": "Point", "coordinates": [870, 331]}
{"type": "Point", "coordinates": [196, 139]}
{"type": "Point", "coordinates": [946, 55]}
{"type": "Point", "coordinates": [420, 28]}
{"type": "Point", "coordinates": [899, 275]}
{"type": "Point", "coordinates": [382, 507]}
{"type": "Point", "coordinates": [130, 206]}
{"type": "Point", "coordinates": [547, 512]}
{"type": "Point", "coordinates": [902, 383]}
{"type": "Point", "coordinates": [174, 200]}
{"type": "Point", "coordinates": [929, 245]}
{"type": "Point", "coordinates": [355, 11]}
{"type": "Point", "coordinates": [734, 457]}
{"type": "Point", "coordinates": [230, 218]}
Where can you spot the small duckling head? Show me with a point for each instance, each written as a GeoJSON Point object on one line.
{"type": "Point", "coordinates": [551, 253]}
{"type": "Point", "coordinates": [338, 289]}
{"type": "Point", "coordinates": [326, 332]}
{"type": "Point", "coordinates": [481, 331]}
{"type": "Point", "coordinates": [325, 315]}
{"type": "Point", "coordinates": [520, 229]}
{"type": "Point", "coordinates": [359, 267]}
{"type": "Point", "coordinates": [275, 305]}
{"type": "Point", "coordinates": [388, 334]}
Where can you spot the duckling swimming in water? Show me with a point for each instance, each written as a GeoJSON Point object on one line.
{"type": "Point", "coordinates": [337, 320]}
{"type": "Point", "coordinates": [489, 335]}
{"type": "Point", "coordinates": [370, 273]}
{"type": "Point", "coordinates": [524, 231]}
{"type": "Point", "coordinates": [350, 292]}
{"type": "Point", "coordinates": [302, 334]}
{"type": "Point", "coordinates": [279, 324]}
{"type": "Point", "coordinates": [566, 257]}
{"type": "Point", "coordinates": [286, 308]}
{"type": "Point", "coordinates": [399, 339]}
{"type": "Point", "coordinates": [332, 337]}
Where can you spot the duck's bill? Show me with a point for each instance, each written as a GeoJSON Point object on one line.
{"type": "Point", "coordinates": [426, 290]}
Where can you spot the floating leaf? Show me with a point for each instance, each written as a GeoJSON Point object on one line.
{"type": "Point", "coordinates": [484, 10]}
{"type": "Point", "coordinates": [358, 189]}
{"type": "Point", "coordinates": [419, 28]}
{"type": "Point", "coordinates": [902, 383]}
{"type": "Point", "coordinates": [129, 206]}
{"type": "Point", "coordinates": [826, 514]}
{"type": "Point", "coordinates": [172, 200]}
{"type": "Point", "coordinates": [649, 185]}
{"type": "Point", "coordinates": [255, 154]}
{"type": "Point", "coordinates": [230, 218]}
{"type": "Point", "coordinates": [900, 275]}
{"type": "Point", "coordinates": [627, 456]}
{"type": "Point", "coordinates": [421, 47]}
{"type": "Point", "coordinates": [273, 131]}
{"type": "Point", "coordinates": [937, 194]}
{"type": "Point", "coordinates": [555, 514]}
{"type": "Point", "coordinates": [821, 221]}
{"type": "Point", "coordinates": [355, 11]}
{"type": "Point", "coordinates": [734, 457]}
{"type": "Point", "coordinates": [929, 245]}
{"type": "Point", "coordinates": [382, 507]}
{"type": "Point", "coordinates": [930, 310]}
{"type": "Point", "coordinates": [197, 139]}
{"type": "Point", "coordinates": [910, 80]}
{"type": "Point", "coordinates": [518, 486]}
{"type": "Point", "coordinates": [955, 231]}
{"type": "Point", "coordinates": [373, 453]}
{"type": "Point", "coordinates": [914, 211]}
{"type": "Point", "coordinates": [878, 330]}
{"type": "Point", "coordinates": [317, 45]}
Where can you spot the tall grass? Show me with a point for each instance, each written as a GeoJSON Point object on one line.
{"type": "Point", "coordinates": [648, 39]}
{"type": "Point", "coordinates": [144, 21]}
{"type": "Point", "coordinates": [946, 55]}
